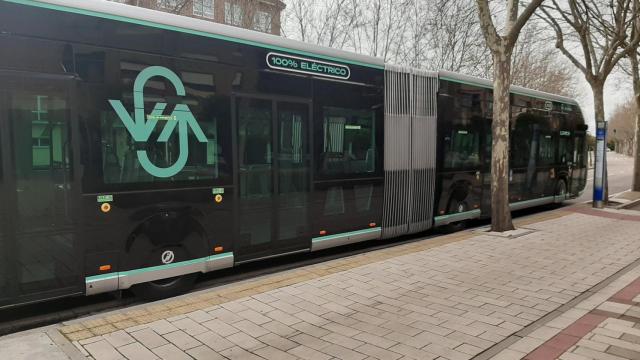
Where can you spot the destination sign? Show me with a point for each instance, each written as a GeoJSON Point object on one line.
{"type": "Point", "coordinates": [307, 66]}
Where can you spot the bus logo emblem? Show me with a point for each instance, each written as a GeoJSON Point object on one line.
{"type": "Point", "coordinates": [167, 257]}
{"type": "Point", "coordinates": [141, 130]}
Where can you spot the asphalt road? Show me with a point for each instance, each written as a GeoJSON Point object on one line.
{"type": "Point", "coordinates": [620, 168]}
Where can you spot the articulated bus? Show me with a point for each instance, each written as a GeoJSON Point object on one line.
{"type": "Point", "coordinates": [139, 149]}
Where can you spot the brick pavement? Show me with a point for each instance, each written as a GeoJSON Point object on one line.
{"type": "Point", "coordinates": [605, 325]}
{"type": "Point", "coordinates": [453, 298]}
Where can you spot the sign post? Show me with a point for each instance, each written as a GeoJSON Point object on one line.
{"type": "Point", "coordinates": [599, 170]}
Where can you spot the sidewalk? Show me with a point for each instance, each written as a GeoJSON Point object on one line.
{"type": "Point", "coordinates": [563, 281]}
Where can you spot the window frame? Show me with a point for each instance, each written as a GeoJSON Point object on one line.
{"type": "Point", "coordinates": [233, 13]}
{"type": "Point", "coordinates": [262, 21]}
{"type": "Point", "coordinates": [199, 8]}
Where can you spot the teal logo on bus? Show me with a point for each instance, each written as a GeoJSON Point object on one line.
{"type": "Point", "coordinates": [141, 129]}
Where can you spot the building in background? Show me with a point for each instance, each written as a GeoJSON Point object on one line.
{"type": "Point", "coordinates": [259, 15]}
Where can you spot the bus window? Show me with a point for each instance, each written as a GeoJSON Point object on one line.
{"type": "Point", "coordinates": [462, 150]}
{"type": "Point", "coordinates": [349, 141]}
{"type": "Point", "coordinates": [206, 160]}
{"type": "Point", "coordinates": [39, 119]}
{"type": "Point", "coordinates": [522, 139]}
{"type": "Point", "coordinates": [546, 149]}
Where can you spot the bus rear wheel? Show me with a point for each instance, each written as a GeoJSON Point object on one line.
{"type": "Point", "coordinates": [165, 288]}
{"type": "Point", "coordinates": [561, 189]}
{"type": "Point", "coordinates": [455, 206]}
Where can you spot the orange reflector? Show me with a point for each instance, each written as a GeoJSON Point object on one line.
{"type": "Point", "coordinates": [105, 267]}
{"type": "Point", "coordinates": [441, 212]}
{"type": "Point", "coordinates": [218, 198]}
{"type": "Point", "coordinates": [372, 224]}
{"type": "Point", "coordinates": [105, 207]}
{"type": "Point", "coordinates": [218, 249]}
{"type": "Point", "coordinates": [323, 232]}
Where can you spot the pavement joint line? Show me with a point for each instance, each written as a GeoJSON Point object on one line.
{"type": "Point", "coordinates": [83, 328]}
{"type": "Point", "coordinates": [64, 344]}
{"type": "Point", "coordinates": [510, 340]}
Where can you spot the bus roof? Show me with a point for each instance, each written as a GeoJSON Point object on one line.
{"type": "Point", "coordinates": [472, 80]}
{"type": "Point", "coordinates": [159, 19]}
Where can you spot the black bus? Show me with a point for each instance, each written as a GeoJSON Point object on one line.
{"type": "Point", "coordinates": [140, 148]}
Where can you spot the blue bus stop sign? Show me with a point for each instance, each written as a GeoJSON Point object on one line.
{"type": "Point", "coordinates": [598, 181]}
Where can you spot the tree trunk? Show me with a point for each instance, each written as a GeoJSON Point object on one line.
{"type": "Point", "coordinates": [500, 212]}
{"type": "Point", "coordinates": [635, 181]}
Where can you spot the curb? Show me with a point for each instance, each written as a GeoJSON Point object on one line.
{"type": "Point", "coordinates": [628, 205]}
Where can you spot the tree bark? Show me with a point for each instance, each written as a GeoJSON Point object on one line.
{"type": "Point", "coordinates": [635, 72]}
{"type": "Point", "coordinates": [598, 99]}
{"type": "Point", "coordinates": [500, 212]}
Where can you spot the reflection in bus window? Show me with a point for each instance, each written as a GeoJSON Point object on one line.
{"type": "Point", "coordinates": [349, 141]}
{"type": "Point", "coordinates": [205, 161]}
{"type": "Point", "coordinates": [46, 132]}
{"type": "Point", "coordinates": [522, 139]}
{"type": "Point", "coordinates": [363, 195]}
{"type": "Point", "coordinates": [564, 150]}
{"type": "Point", "coordinates": [462, 149]}
{"type": "Point", "coordinates": [334, 202]}
{"type": "Point", "coordinates": [120, 160]}
{"type": "Point", "coordinates": [547, 149]}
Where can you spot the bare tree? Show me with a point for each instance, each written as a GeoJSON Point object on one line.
{"type": "Point", "coordinates": [634, 71]}
{"type": "Point", "coordinates": [453, 41]}
{"type": "Point", "coordinates": [536, 65]}
{"type": "Point", "coordinates": [299, 13]}
{"type": "Point", "coordinates": [604, 31]}
{"type": "Point", "coordinates": [635, 181]}
{"type": "Point", "coordinates": [328, 23]}
{"type": "Point", "coordinates": [172, 6]}
{"type": "Point", "coordinates": [501, 47]}
{"type": "Point", "coordinates": [382, 28]}
{"type": "Point", "coordinates": [622, 126]}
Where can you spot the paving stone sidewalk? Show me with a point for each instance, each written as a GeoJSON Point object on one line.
{"type": "Point", "coordinates": [605, 325]}
{"type": "Point", "coordinates": [456, 297]}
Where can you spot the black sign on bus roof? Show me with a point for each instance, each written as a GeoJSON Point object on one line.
{"type": "Point", "coordinates": [307, 66]}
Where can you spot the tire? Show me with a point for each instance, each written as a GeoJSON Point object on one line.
{"type": "Point", "coordinates": [561, 189]}
{"type": "Point", "coordinates": [455, 206]}
{"type": "Point", "coordinates": [165, 288]}
{"type": "Point", "coordinates": [169, 287]}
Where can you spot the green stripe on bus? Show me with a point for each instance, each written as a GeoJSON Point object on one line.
{"type": "Point", "coordinates": [458, 214]}
{"type": "Point", "coordinates": [157, 268]}
{"type": "Point", "coordinates": [534, 201]}
{"type": "Point", "coordinates": [186, 31]}
{"type": "Point", "coordinates": [513, 92]}
{"type": "Point", "coordinates": [351, 233]}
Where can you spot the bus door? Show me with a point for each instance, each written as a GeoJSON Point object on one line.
{"type": "Point", "coordinates": [579, 163]}
{"type": "Point", "coordinates": [274, 176]}
{"type": "Point", "coordinates": [38, 184]}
